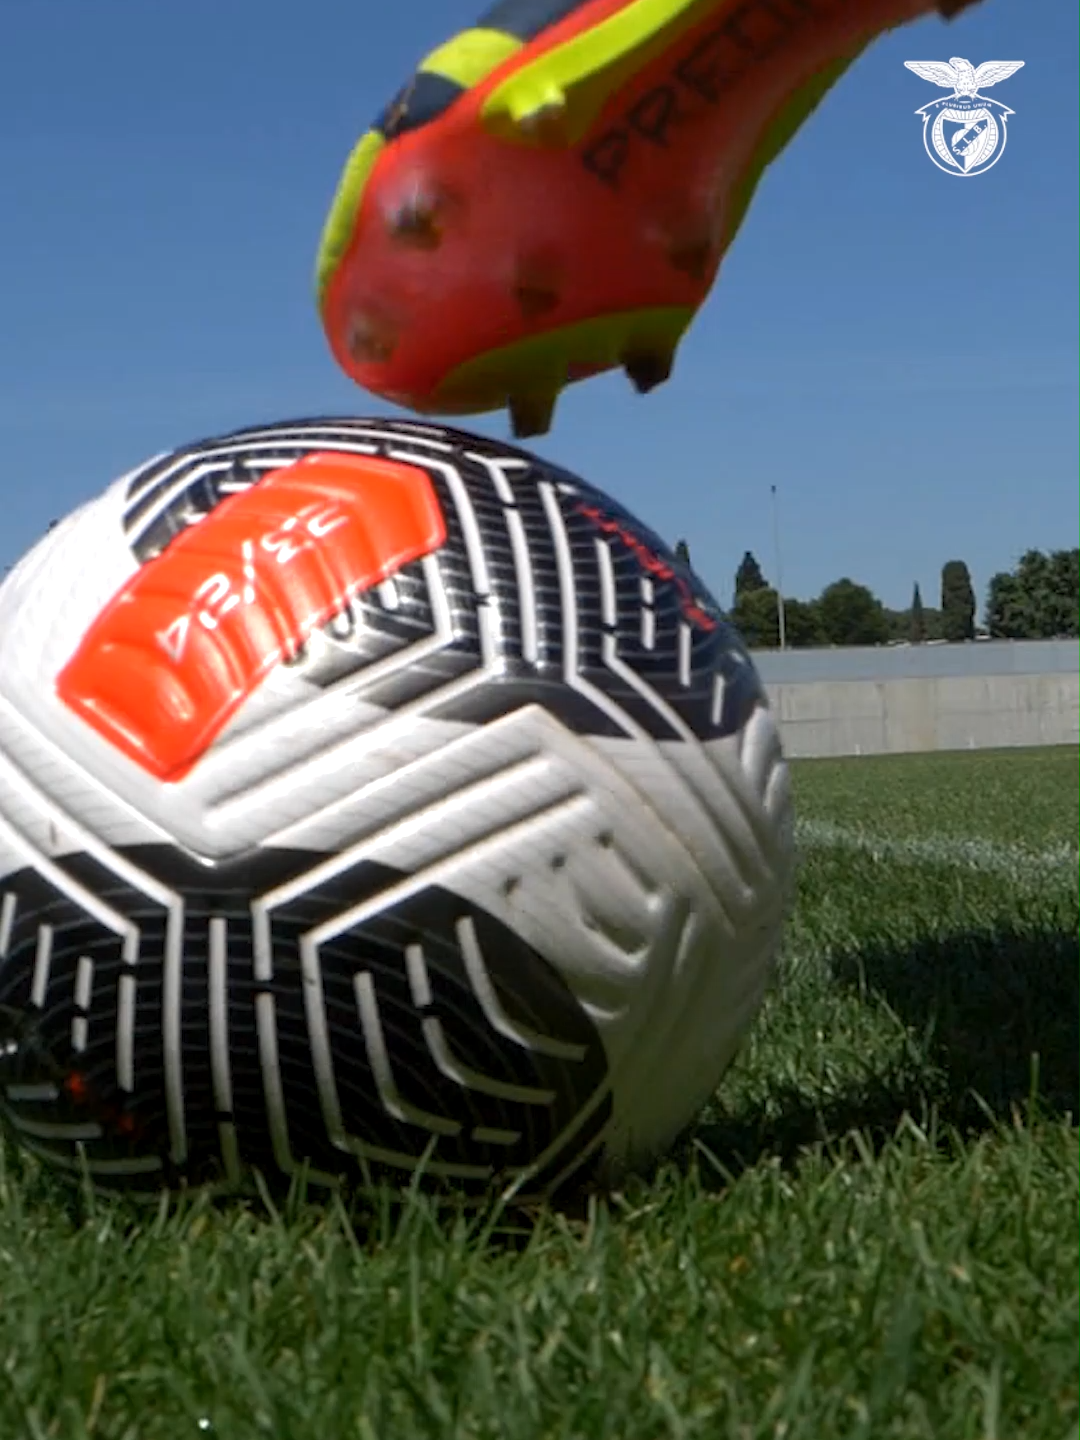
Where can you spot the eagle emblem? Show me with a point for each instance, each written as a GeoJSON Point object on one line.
{"type": "Point", "coordinates": [964, 132]}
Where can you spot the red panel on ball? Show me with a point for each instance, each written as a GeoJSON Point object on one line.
{"type": "Point", "coordinates": [190, 637]}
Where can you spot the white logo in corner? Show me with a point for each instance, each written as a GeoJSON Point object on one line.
{"type": "Point", "coordinates": [965, 132]}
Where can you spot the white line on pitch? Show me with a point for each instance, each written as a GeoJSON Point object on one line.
{"type": "Point", "coordinates": [959, 852]}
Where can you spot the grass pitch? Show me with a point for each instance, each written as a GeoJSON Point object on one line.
{"type": "Point", "coordinates": [872, 1233]}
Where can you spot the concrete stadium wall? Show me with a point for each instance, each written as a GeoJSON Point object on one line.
{"type": "Point", "coordinates": [952, 697]}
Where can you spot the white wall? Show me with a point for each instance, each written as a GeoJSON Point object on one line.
{"type": "Point", "coordinates": [999, 695]}
{"type": "Point", "coordinates": [868, 717]}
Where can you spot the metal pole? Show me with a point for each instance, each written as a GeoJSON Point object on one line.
{"type": "Point", "coordinates": [780, 617]}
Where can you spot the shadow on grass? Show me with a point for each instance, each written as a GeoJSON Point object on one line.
{"type": "Point", "coordinates": [993, 1020]}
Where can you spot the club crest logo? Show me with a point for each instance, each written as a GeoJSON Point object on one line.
{"type": "Point", "coordinates": [964, 133]}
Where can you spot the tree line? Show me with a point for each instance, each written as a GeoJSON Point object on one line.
{"type": "Point", "coordinates": [1038, 600]}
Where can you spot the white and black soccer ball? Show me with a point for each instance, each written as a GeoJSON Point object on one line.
{"type": "Point", "coordinates": [373, 798]}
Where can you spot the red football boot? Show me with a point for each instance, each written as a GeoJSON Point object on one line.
{"type": "Point", "coordinates": [551, 194]}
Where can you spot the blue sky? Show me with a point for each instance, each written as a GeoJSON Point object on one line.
{"type": "Point", "coordinates": [894, 349]}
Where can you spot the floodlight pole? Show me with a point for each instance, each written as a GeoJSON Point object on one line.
{"type": "Point", "coordinates": [780, 616]}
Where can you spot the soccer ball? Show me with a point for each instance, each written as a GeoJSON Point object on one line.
{"type": "Point", "coordinates": [374, 799]}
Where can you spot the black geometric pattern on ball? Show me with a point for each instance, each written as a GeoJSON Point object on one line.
{"type": "Point", "coordinates": [529, 582]}
{"type": "Point", "coordinates": [416, 1005]}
